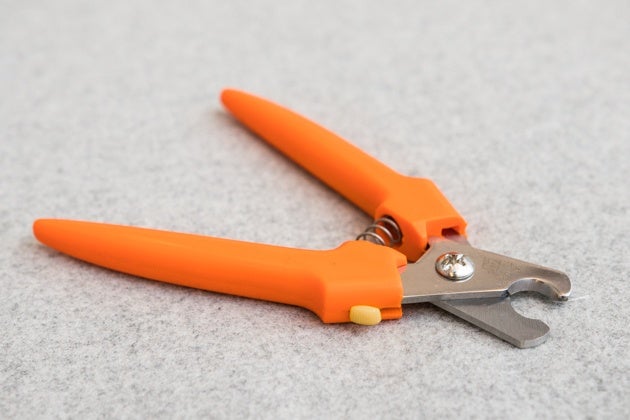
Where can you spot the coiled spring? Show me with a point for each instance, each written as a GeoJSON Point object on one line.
{"type": "Point", "coordinates": [384, 231]}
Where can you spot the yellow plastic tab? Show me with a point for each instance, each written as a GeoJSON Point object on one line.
{"type": "Point", "coordinates": [365, 315]}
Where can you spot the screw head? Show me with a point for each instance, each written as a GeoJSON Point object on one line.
{"type": "Point", "coordinates": [454, 266]}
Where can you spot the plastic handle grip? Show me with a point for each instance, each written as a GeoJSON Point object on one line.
{"type": "Point", "coordinates": [416, 204]}
{"type": "Point", "coordinates": [328, 283]}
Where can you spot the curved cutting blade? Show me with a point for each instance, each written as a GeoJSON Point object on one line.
{"type": "Point", "coordinates": [494, 275]}
{"type": "Point", "coordinates": [476, 285]}
{"type": "Point", "coordinates": [498, 317]}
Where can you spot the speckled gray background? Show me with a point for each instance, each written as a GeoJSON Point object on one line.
{"type": "Point", "coordinates": [109, 111]}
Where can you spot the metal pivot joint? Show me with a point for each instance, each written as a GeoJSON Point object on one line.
{"type": "Point", "coordinates": [455, 266]}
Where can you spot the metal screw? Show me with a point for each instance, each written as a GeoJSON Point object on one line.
{"type": "Point", "coordinates": [454, 266]}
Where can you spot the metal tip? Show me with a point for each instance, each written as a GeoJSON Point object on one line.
{"type": "Point", "coordinates": [533, 278]}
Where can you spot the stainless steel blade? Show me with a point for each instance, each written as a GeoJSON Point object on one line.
{"type": "Point", "coordinates": [498, 317]}
{"type": "Point", "coordinates": [494, 276]}
{"type": "Point", "coordinates": [476, 285]}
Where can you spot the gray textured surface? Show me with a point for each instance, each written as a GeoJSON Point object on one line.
{"type": "Point", "coordinates": [519, 111]}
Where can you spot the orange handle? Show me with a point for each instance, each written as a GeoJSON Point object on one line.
{"type": "Point", "coordinates": [328, 283]}
{"type": "Point", "coordinates": [415, 204]}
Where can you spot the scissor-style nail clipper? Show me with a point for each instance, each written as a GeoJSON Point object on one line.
{"type": "Point", "coordinates": [415, 251]}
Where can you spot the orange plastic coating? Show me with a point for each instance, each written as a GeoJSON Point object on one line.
{"type": "Point", "coordinates": [328, 283]}
{"type": "Point", "coordinates": [415, 204]}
